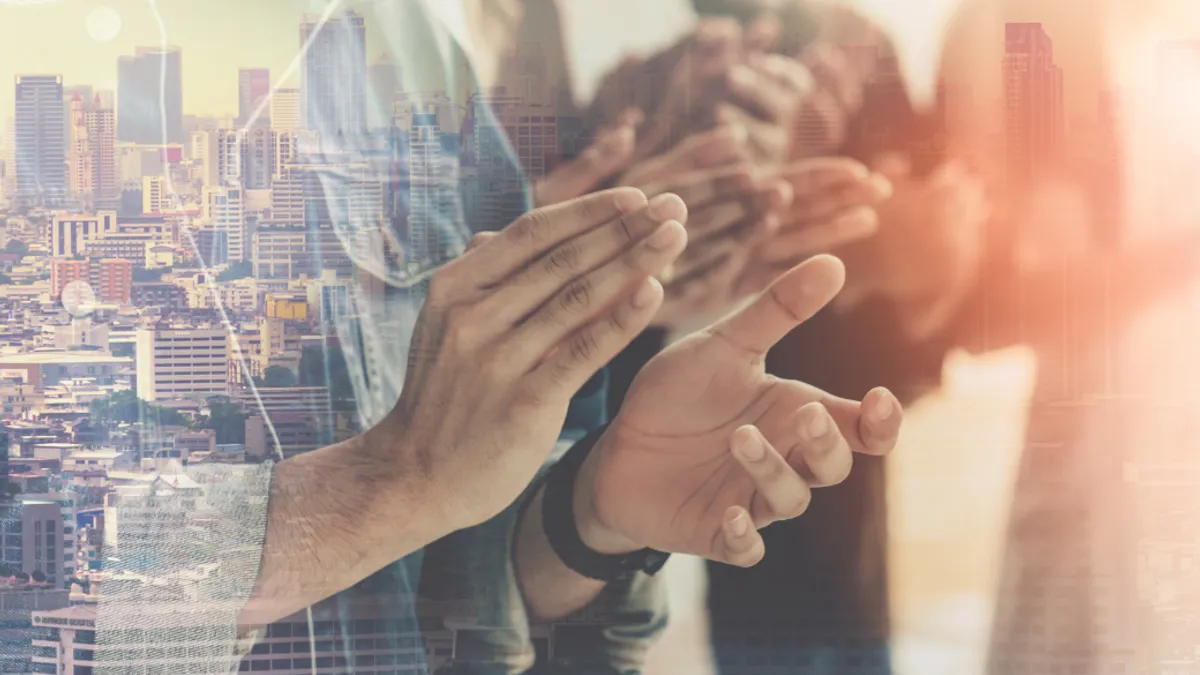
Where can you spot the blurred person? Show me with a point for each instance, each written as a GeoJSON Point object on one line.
{"type": "Point", "coordinates": [464, 370]}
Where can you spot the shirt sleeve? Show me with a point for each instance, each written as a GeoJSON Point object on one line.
{"type": "Point", "coordinates": [611, 636]}
{"type": "Point", "coordinates": [183, 556]}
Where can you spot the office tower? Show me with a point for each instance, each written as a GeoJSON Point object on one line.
{"type": "Point", "coordinates": [493, 116]}
{"type": "Point", "coordinates": [8, 157]}
{"type": "Point", "coordinates": [432, 185]}
{"type": "Point", "coordinates": [92, 157]}
{"type": "Point", "coordinates": [154, 194]}
{"type": "Point", "coordinates": [177, 362]}
{"type": "Point", "coordinates": [285, 110]}
{"type": "Point", "coordinates": [30, 538]}
{"type": "Point", "coordinates": [100, 122]}
{"type": "Point", "coordinates": [333, 74]}
{"type": "Point", "coordinates": [40, 143]}
{"type": "Point", "coordinates": [84, 92]}
{"type": "Point", "coordinates": [385, 86]}
{"type": "Point", "coordinates": [79, 155]}
{"type": "Point", "coordinates": [1033, 98]}
{"type": "Point", "coordinates": [70, 234]}
{"type": "Point", "coordinates": [245, 157]}
{"type": "Point", "coordinates": [254, 85]}
{"type": "Point", "coordinates": [206, 155]}
{"type": "Point", "coordinates": [225, 209]}
{"type": "Point", "coordinates": [150, 96]}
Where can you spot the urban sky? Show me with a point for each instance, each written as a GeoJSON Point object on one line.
{"type": "Point", "coordinates": [82, 39]}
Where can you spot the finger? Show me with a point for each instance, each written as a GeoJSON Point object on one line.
{"type": "Point", "coordinates": [722, 146]}
{"type": "Point", "coordinates": [747, 236]}
{"type": "Point", "coordinates": [809, 177]}
{"type": "Point", "coordinates": [528, 290]}
{"type": "Point", "coordinates": [557, 324]}
{"type": "Point", "coordinates": [820, 125]}
{"type": "Point", "coordinates": [761, 95]}
{"type": "Point", "coordinates": [599, 162]}
{"type": "Point", "coordinates": [781, 493]}
{"type": "Point", "coordinates": [539, 231]}
{"type": "Point", "coordinates": [871, 427]}
{"type": "Point", "coordinates": [572, 364]}
{"type": "Point", "coordinates": [762, 34]}
{"type": "Point", "coordinates": [793, 299]}
{"type": "Point", "coordinates": [796, 243]}
{"type": "Point", "coordinates": [701, 188]}
{"type": "Point", "coordinates": [833, 73]}
{"type": "Point", "coordinates": [821, 449]}
{"type": "Point", "coordinates": [837, 200]}
{"type": "Point", "coordinates": [481, 238]}
{"type": "Point", "coordinates": [789, 73]}
{"type": "Point", "coordinates": [767, 139]}
{"type": "Point", "coordinates": [738, 543]}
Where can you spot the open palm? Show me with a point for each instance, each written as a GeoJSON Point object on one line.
{"type": "Point", "coordinates": [675, 470]}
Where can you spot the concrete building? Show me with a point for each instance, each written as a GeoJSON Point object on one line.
{"type": "Point", "coordinates": [149, 105]}
{"type": "Point", "coordinates": [49, 368]}
{"type": "Point", "coordinates": [70, 234]}
{"type": "Point", "coordinates": [40, 151]}
{"type": "Point", "coordinates": [180, 362]}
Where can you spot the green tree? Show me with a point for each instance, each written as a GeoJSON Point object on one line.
{"type": "Point", "coordinates": [5, 279]}
{"type": "Point", "coordinates": [227, 418]}
{"type": "Point", "coordinates": [238, 270]}
{"type": "Point", "coordinates": [279, 376]}
{"type": "Point", "coordinates": [125, 406]}
{"type": "Point", "coordinates": [16, 246]}
{"type": "Point", "coordinates": [326, 366]}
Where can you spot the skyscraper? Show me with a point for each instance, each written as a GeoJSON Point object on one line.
{"type": "Point", "coordinates": [254, 85]}
{"type": "Point", "coordinates": [40, 144]}
{"type": "Point", "coordinates": [150, 96]}
{"type": "Point", "coordinates": [334, 74]}
{"type": "Point", "coordinates": [386, 84]}
{"type": "Point", "coordinates": [1033, 100]}
{"type": "Point", "coordinates": [92, 159]}
{"type": "Point", "coordinates": [285, 110]}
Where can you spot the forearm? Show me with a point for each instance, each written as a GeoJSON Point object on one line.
{"type": "Point", "coordinates": [335, 516]}
{"type": "Point", "coordinates": [550, 588]}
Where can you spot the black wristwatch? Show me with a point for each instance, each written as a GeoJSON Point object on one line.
{"type": "Point", "coordinates": [558, 522]}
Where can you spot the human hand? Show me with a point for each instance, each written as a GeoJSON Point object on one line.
{"type": "Point", "coordinates": [833, 206]}
{"type": "Point", "coordinates": [509, 332]}
{"type": "Point", "coordinates": [929, 248]}
{"type": "Point", "coordinates": [610, 153]}
{"type": "Point", "coordinates": [708, 448]}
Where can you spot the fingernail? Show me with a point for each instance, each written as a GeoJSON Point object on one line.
{"type": "Point", "coordinates": [882, 185]}
{"type": "Point", "coordinates": [751, 447]}
{"type": "Point", "coordinates": [883, 407]}
{"type": "Point", "coordinates": [664, 207]}
{"type": "Point", "coordinates": [741, 75]}
{"type": "Point", "coordinates": [629, 199]}
{"type": "Point", "coordinates": [740, 525]}
{"type": "Point", "coordinates": [645, 295]}
{"type": "Point", "coordinates": [664, 237]}
{"type": "Point", "coordinates": [740, 133]}
{"type": "Point", "coordinates": [818, 426]}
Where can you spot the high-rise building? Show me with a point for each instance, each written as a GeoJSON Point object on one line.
{"type": "Point", "coordinates": [40, 148]}
{"type": "Point", "coordinates": [92, 157]}
{"type": "Point", "coordinates": [31, 538]}
{"type": "Point", "coordinates": [70, 234]}
{"type": "Point", "coordinates": [111, 279]}
{"type": "Point", "coordinates": [154, 194]}
{"type": "Point", "coordinates": [246, 157]}
{"type": "Point", "coordinates": [285, 110]}
{"type": "Point", "coordinates": [334, 74]}
{"type": "Point", "coordinates": [150, 96]}
{"type": "Point", "coordinates": [386, 84]}
{"type": "Point", "coordinates": [1033, 100]}
{"type": "Point", "coordinates": [100, 122]}
{"type": "Point", "coordinates": [178, 362]}
{"type": "Point", "coordinates": [254, 86]}
{"type": "Point", "coordinates": [225, 208]}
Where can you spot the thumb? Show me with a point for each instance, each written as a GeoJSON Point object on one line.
{"type": "Point", "coordinates": [607, 155]}
{"type": "Point", "coordinates": [793, 299]}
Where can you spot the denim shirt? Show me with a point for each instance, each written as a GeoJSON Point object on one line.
{"type": "Point", "coordinates": [440, 184]}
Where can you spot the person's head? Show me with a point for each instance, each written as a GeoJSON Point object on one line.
{"type": "Point", "coordinates": [744, 10]}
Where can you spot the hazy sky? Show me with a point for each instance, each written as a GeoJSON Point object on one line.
{"type": "Point", "coordinates": [219, 36]}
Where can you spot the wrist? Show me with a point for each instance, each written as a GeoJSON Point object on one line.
{"type": "Point", "coordinates": [395, 462]}
{"type": "Point", "coordinates": [595, 533]}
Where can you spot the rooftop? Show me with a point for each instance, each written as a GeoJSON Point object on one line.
{"type": "Point", "coordinates": [44, 358]}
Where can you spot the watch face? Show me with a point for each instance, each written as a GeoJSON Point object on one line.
{"type": "Point", "coordinates": [79, 299]}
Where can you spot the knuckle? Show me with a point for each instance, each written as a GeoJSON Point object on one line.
{"type": "Point", "coordinates": [460, 330]}
{"type": "Point", "coordinates": [795, 506]}
{"type": "Point", "coordinates": [564, 259]}
{"type": "Point", "coordinates": [578, 296]}
{"type": "Point", "coordinates": [583, 347]}
{"type": "Point", "coordinates": [530, 227]}
{"type": "Point", "coordinates": [526, 397]}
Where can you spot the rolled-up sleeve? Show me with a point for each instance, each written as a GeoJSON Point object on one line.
{"type": "Point", "coordinates": [181, 558]}
{"type": "Point", "coordinates": [610, 636]}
